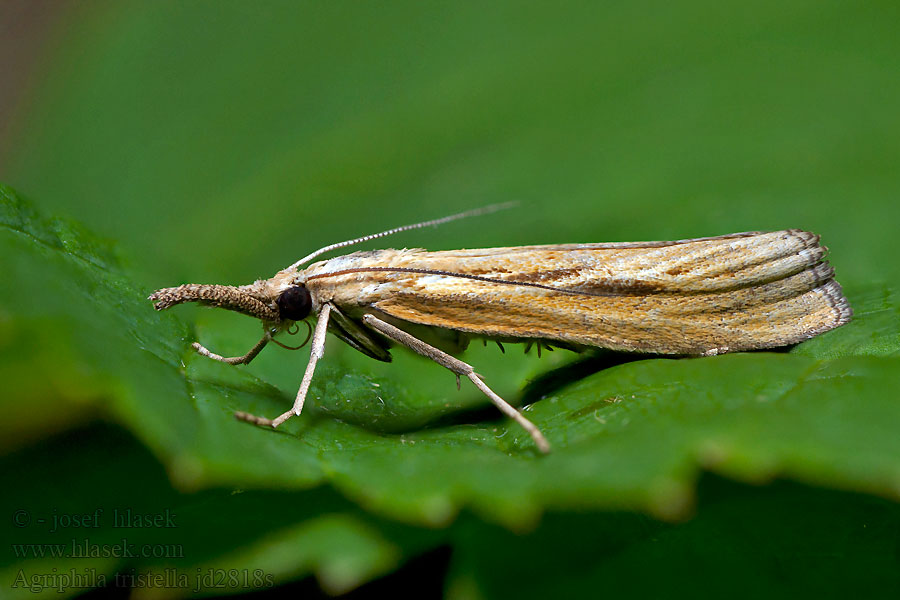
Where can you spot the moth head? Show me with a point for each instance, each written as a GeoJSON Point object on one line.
{"type": "Point", "coordinates": [293, 303]}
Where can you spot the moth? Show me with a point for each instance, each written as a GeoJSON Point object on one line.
{"type": "Point", "coordinates": [692, 297]}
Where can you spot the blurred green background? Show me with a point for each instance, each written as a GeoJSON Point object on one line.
{"type": "Point", "coordinates": [217, 142]}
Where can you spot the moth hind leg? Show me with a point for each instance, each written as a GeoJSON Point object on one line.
{"type": "Point", "coordinates": [459, 368]}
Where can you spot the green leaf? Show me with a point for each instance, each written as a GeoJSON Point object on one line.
{"type": "Point", "coordinates": [632, 435]}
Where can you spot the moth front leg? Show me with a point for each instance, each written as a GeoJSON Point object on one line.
{"type": "Point", "coordinates": [318, 350]}
{"type": "Point", "coordinates": [460, 368]}
{"type": "Point", "coordinates": [234, 360]}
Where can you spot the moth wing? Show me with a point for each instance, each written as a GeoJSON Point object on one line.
{"type": "Point", "coordinates": [711, 295]}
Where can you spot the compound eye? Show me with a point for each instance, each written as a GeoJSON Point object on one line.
{"type": "Point", "coordinates": [294, 303]}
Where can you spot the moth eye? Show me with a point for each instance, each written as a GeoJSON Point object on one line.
{"type": "Point", "coordinates": [294, 303]}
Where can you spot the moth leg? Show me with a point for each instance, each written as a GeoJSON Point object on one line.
{"type": "Point", "coordinates": [459, 368]}
{"type": "Point", "coordinates": [234, 360]}
{"type": "Point", "coordinates": [318, 350]}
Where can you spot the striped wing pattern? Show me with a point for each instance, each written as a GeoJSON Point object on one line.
{"type": "Point", "coordinates": [701, 296]}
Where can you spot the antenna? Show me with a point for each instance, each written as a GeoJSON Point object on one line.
{"type": "Point", "coordinates": [463, 215]}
